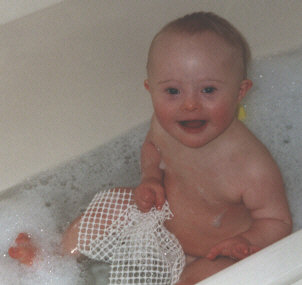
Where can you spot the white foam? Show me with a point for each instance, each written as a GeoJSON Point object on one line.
{"type": "Point", "coordinates": [44, 205]}
{"type": "Point", "coordinates": [218, 219]}
{"type": "Point", "coordinates": [27, 213]}
{"type": "Point", "coordinates": [162, 165]}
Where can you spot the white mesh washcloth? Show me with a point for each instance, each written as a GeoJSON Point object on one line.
{"type": "Point", "coordinates": [137, 245]}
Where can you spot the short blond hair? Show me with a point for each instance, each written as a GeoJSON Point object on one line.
{"type": "Point", "coordinates": [200, 22]}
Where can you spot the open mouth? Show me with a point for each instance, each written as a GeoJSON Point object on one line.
{"type": "Point", "coordinates": [193, 125]}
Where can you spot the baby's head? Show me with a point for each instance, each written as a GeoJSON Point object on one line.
{"type": "Point", "coordinates": [201, 22]}
{"type": "Point", "coordinates": [197, 76]}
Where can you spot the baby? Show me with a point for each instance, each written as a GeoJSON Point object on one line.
{"type": "Point", "coordinates": [223, 187]}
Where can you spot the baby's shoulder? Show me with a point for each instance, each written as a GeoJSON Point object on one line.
{"type": "Point", "coordinates": [259, 173]}
{"type": "Point", "coordinates": [257, 161]}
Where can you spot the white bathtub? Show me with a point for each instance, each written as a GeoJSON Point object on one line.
{"type": "Point", "coordinates": [278, 264]}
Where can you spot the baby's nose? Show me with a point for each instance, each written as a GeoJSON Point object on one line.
{"type": "Point", "coordinates": [191, 103]}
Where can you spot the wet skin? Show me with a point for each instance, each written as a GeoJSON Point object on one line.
{"type": "Point", "coordinates": [223, 187]}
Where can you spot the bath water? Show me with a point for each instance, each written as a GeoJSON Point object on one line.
{"type": "Point", "coordinates": [44, 205]}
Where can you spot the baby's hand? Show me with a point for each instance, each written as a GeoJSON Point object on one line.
{"type": "Point", "coordinates": [148, 194]}
{"type": "Point", "coordinates": [236, 248]}
{"type": "Point", "coordinates": [24, 251]}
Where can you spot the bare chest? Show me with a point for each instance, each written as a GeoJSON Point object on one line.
{"type": "Point", "coordinates": [211, 180]}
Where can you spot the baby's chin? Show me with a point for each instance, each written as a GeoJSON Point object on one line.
{"type": "Point", "coordinates": [193, 136]}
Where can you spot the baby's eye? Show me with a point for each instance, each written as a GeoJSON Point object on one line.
{"type": "Point", "coordinates": [172, 91]}
{"type": "Point", "coordinates": [208, 90]}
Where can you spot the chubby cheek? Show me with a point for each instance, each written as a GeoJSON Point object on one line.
{"type": "Point", "coordinates": [224, 113]}
{"type": "Point", "coordinates": [163, 115]}
{"type": "Point", "coordinates": [164, 112]}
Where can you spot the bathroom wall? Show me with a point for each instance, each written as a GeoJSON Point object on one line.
{"type": "Point", "coordinates": [14, 9]}
{"type": "Point", "coordinates": [71, 74]}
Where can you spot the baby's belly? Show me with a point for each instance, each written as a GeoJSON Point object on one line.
{"type": "Point", "coordinates": [199, 226]}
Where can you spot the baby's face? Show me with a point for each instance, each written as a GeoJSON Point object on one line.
{"type": "Point", "coordinates": [196, 83]}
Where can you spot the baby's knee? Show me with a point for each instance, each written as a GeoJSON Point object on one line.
{"type": "Point", "coordinates": [105, 208]}
{"type": "Point", "coordinates": [70, 238]}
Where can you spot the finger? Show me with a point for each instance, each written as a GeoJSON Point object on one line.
{"type": "Point", "coordinates": [144, 206]}
{"type": "Point", "coordinates": [144, 200]}
{"type": "Point", "coordinates": [213, 253]}
{"type": "Point", "coordinates": [238, 255]}
{"type": "Point", "coordinates": [243, 249]}
{"type": "Point", "coordinates": [148, 196]}
{"type": "Point", "coordinates": [142, 193]}
{"type": "Point", "coordinates": [254, 249]}
{"type": "Point", "coordinates": [159, 197]}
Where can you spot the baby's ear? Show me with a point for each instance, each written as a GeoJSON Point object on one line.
{"type": "Point", "coordinates": [245, 86]}
{"type": "Point", "coordinates": [146, 84]}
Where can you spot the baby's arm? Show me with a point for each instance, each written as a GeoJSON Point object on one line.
{"type": "Point", "coordinates": [270, 213]}
{"type": "Point", "coordinates": [150, 192]}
